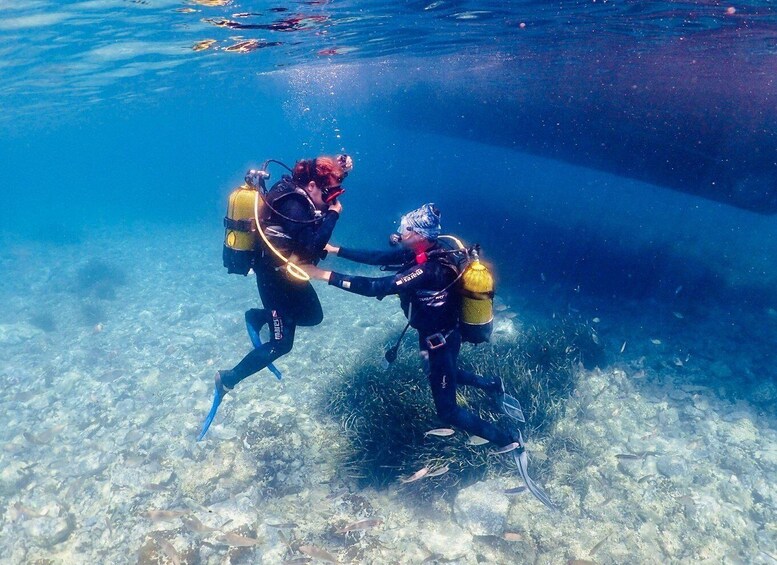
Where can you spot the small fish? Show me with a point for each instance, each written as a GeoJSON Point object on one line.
{"type": "Point", "coordinates": [441, 432]}
{"type": "Point", "coordinates": [236, 540]}
{"type": "Point", "coordinates": [623, 347]}
{"type": "Point", "coordinates": [678, 290]}
{"type": "Point", "coordinates": [678, 315]}
{"type": "Point", "coordinates": [244, 46]}
{"type": "Point", "coordinates": [476, 440]}
{"type": "Point", "coordinates": [595, 548]}
{"type": "Point", "coordinates": [203, 45]}
{"type": "Point", "coordinates": [508, 447]}
{"type": "Point", "coordinates": [512, 536]}
{"type": "Point", "coordinates": [32, 438]}
{"type": "Point", "coordinates": [515, 490]}
{"type": "Point", "coordinates": [678, 362]}
{"type": "Point", "coordinates": [21, 511]}
{"type": "Point", "coordinates": [438, 471]}
{"type": "Point", "coordinates": [645, 479]}
{"type": "Point", "coordinates": [166, 515]}
{"type": "Point", "coordinates": [596, 320]}
{"type": "Point", "coordinates": [655, 341]}
{"type": "Point", "coordinates": [195, 525]}
{"type": "Point", "coordinates": [420, 474]}
{"type": "Point", "coordinates": [628, 456]}
{"type": "Point", "coordinates": [155, 486]}
{"type": "Point", "coordinates": [318, 553]}
{"type": "Point", "coordinates": [510, 315]}
{"type": "Point", "coordinates": [296, 561]}
{"type": "Point", "coordinates": [367, 524]}
{"type": "Point", "coordinates": [285, 526]}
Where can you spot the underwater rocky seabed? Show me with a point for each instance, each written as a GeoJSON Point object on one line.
{"type": "Point", "coordinates": [109, 349]}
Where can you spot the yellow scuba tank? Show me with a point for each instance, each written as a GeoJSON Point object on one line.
{"type": "Point", "coordinates": [240, 237]}
{"type": "Point", "coordinates": [476, 288]}
{"type": "Point", "coordinates": [476, 292]}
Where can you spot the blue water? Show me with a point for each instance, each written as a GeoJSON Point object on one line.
{"type": "Point", "coordinates": [114, 126]}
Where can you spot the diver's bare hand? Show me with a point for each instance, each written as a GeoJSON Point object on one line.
{"type": "Point", "coordinates": [315, 272]}
{"type": "Point", "coordinates": [331, 249]}
{"type": "Point", "coordinates": [336, 206]}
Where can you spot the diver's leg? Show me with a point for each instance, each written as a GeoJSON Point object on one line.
{"type": "Point", "coordinates": [503, 402]}
{"type": "Point", "coordinates": [305, 305]}
{"type": "Point", "coordinates": [468, 378]}
{"type": "Point", "coordinates": [442, 378]}
{"type": "Point", "coordinates": [489, 384]}
{"type": "Point", "coordinates": [256, 318]}
{"type": "Point", "coordinates": [282, 330]}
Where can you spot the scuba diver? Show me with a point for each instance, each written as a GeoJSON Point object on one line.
{"type": "Point", "coordinates": [271, 231]}
{"type": "Point", "coordinates": [426, 285]}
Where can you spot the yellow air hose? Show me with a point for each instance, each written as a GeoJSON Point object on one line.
{"type": "Point", "coordinates": [293, 269]}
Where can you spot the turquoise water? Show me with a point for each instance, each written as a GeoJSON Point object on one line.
{"type": "Point", "coordinates": [616, 160]}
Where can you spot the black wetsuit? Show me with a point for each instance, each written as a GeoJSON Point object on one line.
{"type": "Point", "coordinates": [287, 303]}
{"type": "Point", "coordinates": [431, 304]}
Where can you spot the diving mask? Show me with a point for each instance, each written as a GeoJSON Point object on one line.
{"type": "Point", "coordinates": [404, 227]}
{"type": "Point", "coordinates": [330, 193]}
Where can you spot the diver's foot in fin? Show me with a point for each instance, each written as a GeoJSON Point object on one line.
{"type": "Point", "coordinates": [522, 461]}
{"type": "Point", "coordinates": [512, 408]}
{"type": "Point", "coordinates": [507, 403]}
{"type": "Point", "coordinates": [219, 391]}
{"type": "Point", "coordinates": [255, 320]}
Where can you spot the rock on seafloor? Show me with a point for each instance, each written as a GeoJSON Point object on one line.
{"type": "Point", "coordinates": [51, 529]}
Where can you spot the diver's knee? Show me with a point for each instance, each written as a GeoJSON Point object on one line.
{"type": "Point", "coordinates": [448, 414]}
{"type": "Point", "coordinates": [282, 346]}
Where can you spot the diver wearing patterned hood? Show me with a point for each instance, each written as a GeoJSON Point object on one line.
{"type": "Point", "coordinates": [426, 287]}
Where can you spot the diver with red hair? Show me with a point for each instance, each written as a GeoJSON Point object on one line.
{"type": "Point", "coordinates": [297, 218]}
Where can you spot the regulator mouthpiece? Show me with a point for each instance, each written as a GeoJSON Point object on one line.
{"type": "Point", "coordinates": [394, 239]}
